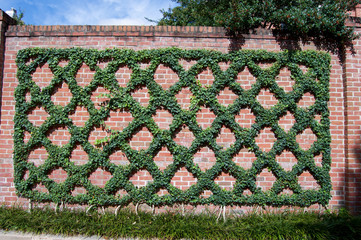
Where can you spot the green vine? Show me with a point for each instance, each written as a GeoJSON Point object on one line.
{"type": "Point", "coordinates": [315, 81]}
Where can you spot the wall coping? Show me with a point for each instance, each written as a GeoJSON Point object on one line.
{"type": "Point", "coordinates": [6, 18]}
{"type": "Point", "coordinates": [125, 31]}
{"type": "Point", "coordinates": [136, 31]}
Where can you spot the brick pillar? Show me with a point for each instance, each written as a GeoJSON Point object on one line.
{"type": "Point", "coordinates": [5, 21]}
{"type": "Point", "coordinates": [352, 93]}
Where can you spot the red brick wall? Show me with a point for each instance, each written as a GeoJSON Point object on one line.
{"type": "Point", "coordinates": [352, 93]}
{"type": "Point", "coordinates": [345, 98]}
{"type": "Point", "coordinates": [5, 21]}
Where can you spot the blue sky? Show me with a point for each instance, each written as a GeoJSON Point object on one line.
{"type": "Point", "coordinates": [88, 12]}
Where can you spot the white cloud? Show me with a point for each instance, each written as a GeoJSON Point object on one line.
{"type": "Point", "coordinates": [107, 12]}
{"type": "Point", "coordinates": [123, 21]}
{"type": "Point", "coordinates": [140, 6]}
{"type": "Point", "coordinates": [90, 12]}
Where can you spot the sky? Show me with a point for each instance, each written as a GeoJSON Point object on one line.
{"type": "Point", "coordinates": [88, 12]}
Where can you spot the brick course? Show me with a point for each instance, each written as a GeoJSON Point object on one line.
{"type": "Point", "coordinates": [344, 106]}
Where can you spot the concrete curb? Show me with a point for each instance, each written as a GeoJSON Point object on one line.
{"type": "Point", "coordinates": [12, 235]}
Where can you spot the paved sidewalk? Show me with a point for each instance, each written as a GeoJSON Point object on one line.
{"type": "Point", "coordinates": [11, 235]}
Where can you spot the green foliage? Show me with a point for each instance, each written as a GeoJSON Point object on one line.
{"type": "Point", "coordinates": [19, 18]}
{"type": "Point", "coordinates": [315, 81]}
{"type": "Point", "coordinates": [306, 18]}
{"type": "Point", "coordinates": [175, 226]}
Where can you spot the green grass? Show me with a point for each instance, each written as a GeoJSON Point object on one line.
{"type": "Point", "coordinates": [191, 226]}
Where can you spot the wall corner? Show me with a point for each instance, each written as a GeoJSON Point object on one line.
{"type": "Point", "coordinates": [5, 21]}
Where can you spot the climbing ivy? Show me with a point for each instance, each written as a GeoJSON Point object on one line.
{"type": "Point", "coordinates": [315, 81]}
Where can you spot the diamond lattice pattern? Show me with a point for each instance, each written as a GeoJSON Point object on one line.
{"type": "Point", "coordinates": [223, 156]}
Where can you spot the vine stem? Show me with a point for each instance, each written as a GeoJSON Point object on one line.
{"type": "Point", "coordinates": [257, 209]}
{"type": "Point", "coordinates": [219, 214]}
{"type": "Point", "coordinates": [103, 210]}
{"type": "Point", "coordinates": [91, 206]}
{"type": "Point", "coordinates": [56, 207]}
{"type": "Point", "coordinates": [325, 207]}
{"type": "Point", "coordinates": [136, 208]}
{"type": "Point", "coordinates": [224, 214]}
{"type": "Point", "coordinates": [30, 206]}
{"type": "Point", "coordinates": [222, 211]}
{"type": "Point", "coordinates": [117, 209]}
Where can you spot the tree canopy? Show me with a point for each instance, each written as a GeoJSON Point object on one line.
{"type": "Point", "coordinates": [19, 18]}
{"type": "Point", "coordinates": [302, 18]}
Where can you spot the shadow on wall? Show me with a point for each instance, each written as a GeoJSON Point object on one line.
{"type": "Point", "coordinates": [291, 43]}
{"type": "Point", "coordinates": [352, 174]}
{"type": "Point", "coordinates": [353, 178]}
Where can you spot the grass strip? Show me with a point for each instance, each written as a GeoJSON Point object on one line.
{"type": "Point", "coordinates": [175, 226]}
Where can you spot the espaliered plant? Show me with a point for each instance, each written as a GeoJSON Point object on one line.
{"type": "Point", "coordinates": [315, 81]}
